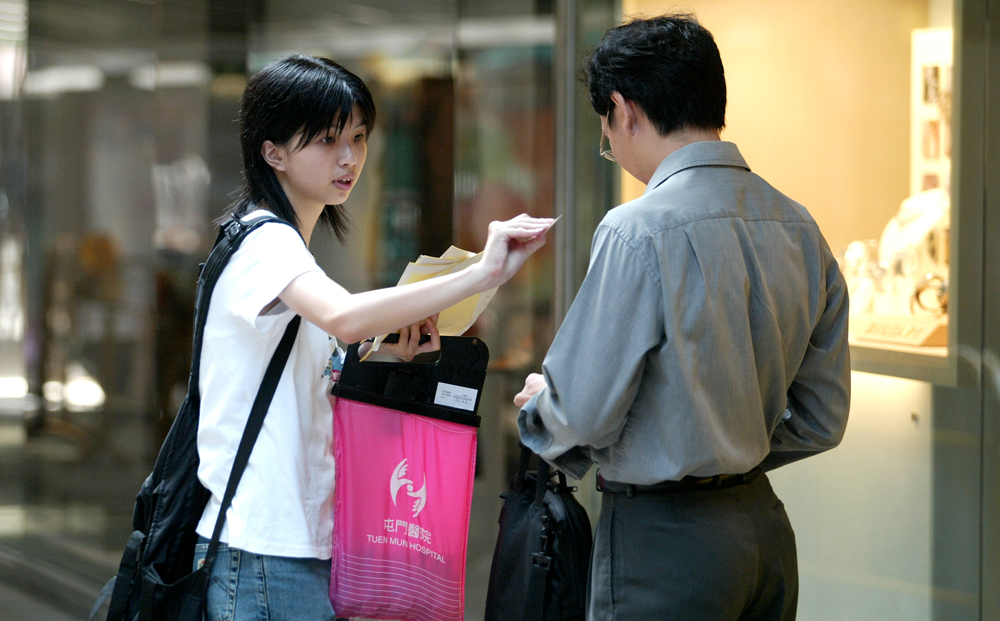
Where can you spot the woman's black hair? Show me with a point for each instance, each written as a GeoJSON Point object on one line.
{"type": "Point", "coordinates": [302, 95]}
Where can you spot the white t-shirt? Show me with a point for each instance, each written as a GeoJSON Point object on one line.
{"type": "Point", "coordinates": [282, 506]}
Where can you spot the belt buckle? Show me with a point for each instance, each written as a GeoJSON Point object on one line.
{"type": "Point", "coordinates": [599, 483]}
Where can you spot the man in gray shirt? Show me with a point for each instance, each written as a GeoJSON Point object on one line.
{"type": "Point", "coordinates": [707, 344]}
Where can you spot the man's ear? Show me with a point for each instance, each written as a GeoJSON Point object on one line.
{"type": "Point", "coordinates": [273, 155]}
{"type": "Point", "coordinates": [626, 113]}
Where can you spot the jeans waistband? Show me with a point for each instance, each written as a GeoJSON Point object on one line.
{"type": "Point", "coordinates": [718, 481]}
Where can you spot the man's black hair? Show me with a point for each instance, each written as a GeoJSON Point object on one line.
{"type": "Point", "coordinates": [292, 95]}
{"type": "Point", "coordinates": [669, 65]}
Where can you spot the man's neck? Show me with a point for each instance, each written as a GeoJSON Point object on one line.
{"type": "Point", "coordinates": [658, 147]}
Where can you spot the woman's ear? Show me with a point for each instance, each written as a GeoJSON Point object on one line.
{"type": "Point", "coordinates": [273, 155]}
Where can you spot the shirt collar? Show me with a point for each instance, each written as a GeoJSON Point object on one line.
{"type": "Point", "coordinates": [703, 153]}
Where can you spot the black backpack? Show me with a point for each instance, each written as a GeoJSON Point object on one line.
{"type": "Point", "coordinates": [542, 558]}
{"type": "Point", "coordinates": [154, 580]}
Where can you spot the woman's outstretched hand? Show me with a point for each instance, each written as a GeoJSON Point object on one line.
{"type": "Point", "coordinates": [510, 243]}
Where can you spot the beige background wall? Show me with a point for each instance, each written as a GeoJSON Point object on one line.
{"type": "Point", "coordinates": [818, 100]}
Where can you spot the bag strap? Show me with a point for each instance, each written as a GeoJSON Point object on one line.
{"type": "Point", "coordinates": [541, 561]}
{"type": "Point", "coordinates": [231, 236]}
{"type": "Point", "coordinates": [522, 468]}
{"type": "Point", "coordinates": [254, 424]}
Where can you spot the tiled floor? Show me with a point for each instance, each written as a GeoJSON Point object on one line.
{"type": "Point", "coordinates": [65, 512]}
{"type": "Point", "coordinates": [18, 606]}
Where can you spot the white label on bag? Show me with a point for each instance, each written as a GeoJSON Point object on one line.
{"type": "Point", "coordinates": [456, 396]}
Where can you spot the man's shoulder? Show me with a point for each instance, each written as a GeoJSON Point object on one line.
{"type": "Point", "coordinates": [703, 195]}
{"type": "Point", "coordinates": [656, 212]}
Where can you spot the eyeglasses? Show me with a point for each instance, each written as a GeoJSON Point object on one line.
{"type": "Point", "coordinates": [607, 154]}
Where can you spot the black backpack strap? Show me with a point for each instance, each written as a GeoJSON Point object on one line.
{"type": "Point", "coordinates": [231, 236]}
{"type": "Point", "coordinates": [254, 424]}
{"type": "Point", "coordinates": [120, 587]}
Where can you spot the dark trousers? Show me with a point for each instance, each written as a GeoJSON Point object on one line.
{"type": "Point", "coordinates": [712, 554]}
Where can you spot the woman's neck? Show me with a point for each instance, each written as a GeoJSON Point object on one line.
{"type": "Point", "coordinates": [307, 217]}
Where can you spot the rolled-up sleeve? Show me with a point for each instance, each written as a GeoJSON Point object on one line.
{"type": "Point", "coordinates": [596, 362]}
{"type": "Point", "coordinates": [819, 397]}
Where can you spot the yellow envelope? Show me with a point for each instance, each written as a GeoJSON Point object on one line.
{"type": "Point", "coordinates": [455, 320]}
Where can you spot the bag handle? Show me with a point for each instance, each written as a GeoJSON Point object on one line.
{"type": "Point", "coordinates": [522, 468]}
{"type": "Point", "coordinates": [413, 387]}
{"type": "Point", "coordinates": [543, 474]}
{"type": "Point", "coordinates": [535, 595]}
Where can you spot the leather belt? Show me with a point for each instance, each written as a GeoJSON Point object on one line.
{"type": "Point", "coordinates": [686, 484]}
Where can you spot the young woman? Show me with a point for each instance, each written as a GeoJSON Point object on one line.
{"type": "Point", "coordinates": [304, 127]}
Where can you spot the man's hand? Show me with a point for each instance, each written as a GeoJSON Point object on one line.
{"type": "Point", "coordinates": [533, 384]}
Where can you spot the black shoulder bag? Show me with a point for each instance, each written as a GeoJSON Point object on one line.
{"type": "Point", "coordinates": [542, 557]}
{"type": "Point", "coordinates": [155, 581]}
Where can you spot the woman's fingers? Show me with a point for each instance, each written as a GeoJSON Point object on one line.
{"type": "Point", "coordinates": [511, 242]}
{"type": "Point", "coordinates": [430, 328]}
{"type": "Point", "coordinates": [412, 341]}
{"type": "Point", "coordinates": [409, 346]}
{"type": "Point", "coordinates": [524, 228]}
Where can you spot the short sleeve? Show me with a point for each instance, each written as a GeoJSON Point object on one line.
{"type": "Point", "coordinates": [269, 259]}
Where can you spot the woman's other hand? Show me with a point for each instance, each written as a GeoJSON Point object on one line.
{"type": "Point", "coordinates": [509, 245]}
{"type": "Point", "coordinates": [409, 340]}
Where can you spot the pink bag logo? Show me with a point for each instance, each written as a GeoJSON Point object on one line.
{"type": "Point", "coordinates": [400, 555]}
{"type": "Point", "coordinates": [398, 481]}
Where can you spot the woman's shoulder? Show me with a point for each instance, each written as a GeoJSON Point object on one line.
{"type": "Point", "coordinates": [278, 231]}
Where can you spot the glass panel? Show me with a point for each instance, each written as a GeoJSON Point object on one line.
{"type": "Point", "coordinates": [504, 166]}
{"type": "Point", "coordinates": [111, 132]}
{"type": "Point", "coordinates": [465, 135]}
{"type": "Point", "coordinates": [92, 117]}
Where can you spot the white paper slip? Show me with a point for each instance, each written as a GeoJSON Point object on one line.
{"type": "Point", "coordinates": [455, 396]}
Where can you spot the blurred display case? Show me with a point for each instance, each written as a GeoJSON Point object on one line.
{"type": "Point", "coordinates": [916, 290]}
{"type": "Point", "coordinates": [900, 283]}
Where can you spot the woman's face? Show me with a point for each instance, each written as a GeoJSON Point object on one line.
{"type": "Point", "coordinates": [324, 171]}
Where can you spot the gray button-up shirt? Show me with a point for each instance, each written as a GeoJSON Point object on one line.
{"type": "Point", "coordinates": [709, 336]}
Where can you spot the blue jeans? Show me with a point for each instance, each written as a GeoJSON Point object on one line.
{"type": "Point", "coordinates": [255, 587]}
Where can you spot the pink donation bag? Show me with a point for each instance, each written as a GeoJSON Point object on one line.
{"type": "Point", "coordinates": [405, 449]}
